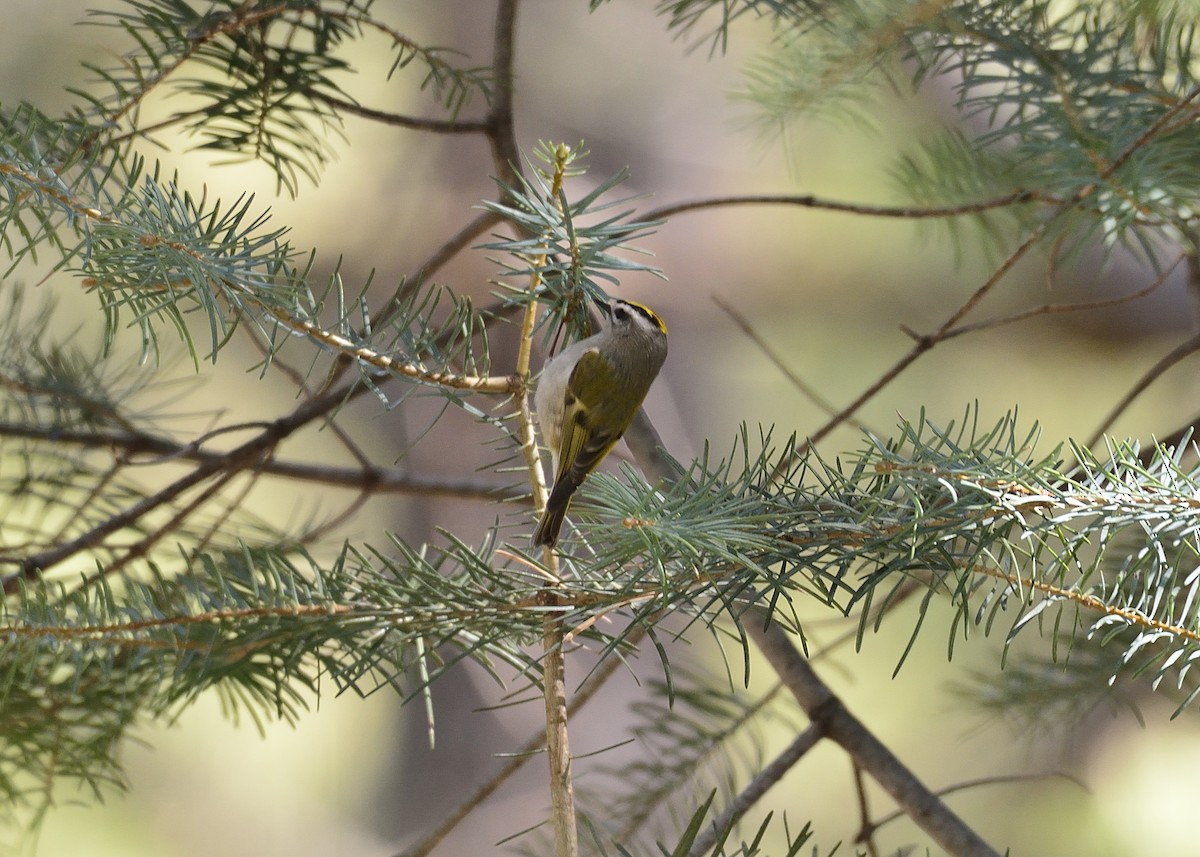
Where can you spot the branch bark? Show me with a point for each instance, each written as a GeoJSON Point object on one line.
{"type": "Point", "coordinates": [833, 720]}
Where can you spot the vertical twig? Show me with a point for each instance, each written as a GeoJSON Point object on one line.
{"type": "Point", "coordinates": [500, 123]}
{"type": "Point", "coordinates": [587, 691]}
{"type": "Point", "coordinates": [554, 682]}
{"type": "Point", "coordinates": [558, 747]}
{"type": "Point", "coordinates": [501, 134]}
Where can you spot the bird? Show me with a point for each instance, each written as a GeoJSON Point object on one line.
{"type": "Point", "coordinates": [587, 396]}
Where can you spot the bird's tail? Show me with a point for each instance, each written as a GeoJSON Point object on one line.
{"type": "Point", "coordinates": [546, 534]}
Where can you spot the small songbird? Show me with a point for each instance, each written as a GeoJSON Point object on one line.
{"type": "Point", "coordinates": [588, 395]}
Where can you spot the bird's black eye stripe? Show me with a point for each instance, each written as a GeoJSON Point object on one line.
{"type": "Point", "coordinates": [620, 313]}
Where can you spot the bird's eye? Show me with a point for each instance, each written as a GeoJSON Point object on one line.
{"type": "Point", "coordinates": [620, 313]}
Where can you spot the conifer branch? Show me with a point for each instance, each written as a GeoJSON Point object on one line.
{"type": "Point", "coordinates": [495, 385]}
{"type": "Point", "coordinates": [1078, 122]}
{"type": "Point", "coordinates": [554, 682]}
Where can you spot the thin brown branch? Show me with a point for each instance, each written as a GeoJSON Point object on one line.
{"type": "Point", "coordinates": [1054, 309]}
{"type": "Point", "coordinates": [145, 131]}
{"type": "Point", "coordinates": [1184, 349]}
{"type": "Point", "coordinates": [246, 455]}
{"type": "Point", "coordinates": [795, 380]}
{"type": "Point", "coordinates": [369, 478]}
{"type": "Point", "coordinates": [903, 212]}
{"type": "Point", "coordinates": [437, 126]}
{"type": "Point", "coordinates": [831, 718]}
{"type": "Point", "coordinates": [983, 781]}
{"type": "Point", "coordinates": [1176, 354]}
{"type": "Point", "coordinates": [447, 251]}
{"type": "Point", "coordinates": [866, 829]}
{"type": "Point", "coordinates": [768, 776]}
{"type": "Point", "coordinates": [924, 343]}
{"type": "Point", "coordinates": [501, 120]}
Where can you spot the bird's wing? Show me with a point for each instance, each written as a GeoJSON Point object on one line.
{"type": "Point", "coordinates": [582, 447]}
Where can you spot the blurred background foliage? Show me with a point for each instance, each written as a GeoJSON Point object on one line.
{"type": "Point", "coordinates": [827, 292]}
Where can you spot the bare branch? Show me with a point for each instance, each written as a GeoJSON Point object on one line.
{"type": "Point", "coordinates": [1175, 355]}
{"type": "Point", "coordinates": [834, 721]}
{"type": "Point", "coordinates": [369, 478]}
{"type": "Point", "coordinates": [762, 782]}
{"type": "Point", "coordinates": [796, 381]}
{"type": "Point", "coordinates": [903, 212]}
{"type": "Point", "coordinates": [438, 126]}
{"type": "Point", "coordinates": [1055, 309]}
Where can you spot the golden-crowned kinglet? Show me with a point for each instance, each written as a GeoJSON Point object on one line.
{"type": "Point", "coordinates": [587, 397]}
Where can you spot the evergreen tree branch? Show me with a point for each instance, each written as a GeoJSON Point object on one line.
{"type": "Point", "coordinates": [554, 689]}
{"type": "Point", "coordinates": [1034, 236]}
{"type": "Point", "coordinates": [82, 666]}
{"type": "Point", "coordinates": [515, 760]}
{"type": "Point", "coordinates": [272, 59]}
{"type": "Point", "coordinates": [1108, 609]}
{"type": "Point", "coordinates": [494, 385]}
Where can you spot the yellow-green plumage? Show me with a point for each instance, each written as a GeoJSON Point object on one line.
{"type": "Point", "coordinates": [587, 397]}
